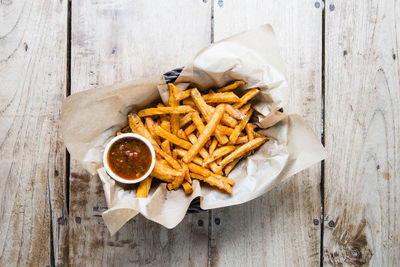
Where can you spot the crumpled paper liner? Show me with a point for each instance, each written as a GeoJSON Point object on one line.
{"type": "Point", "coordinates": [90, 118]}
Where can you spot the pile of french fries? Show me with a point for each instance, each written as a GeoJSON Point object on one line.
{"type": "Point", "coordinates": [197, 136]}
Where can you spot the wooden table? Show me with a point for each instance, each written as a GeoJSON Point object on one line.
{"type": "Point", "coordinates": [343, 67]}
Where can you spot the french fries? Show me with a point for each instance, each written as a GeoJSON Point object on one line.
{"type": "Point", "coordinates": [197, 136]}
{"type": "Point", "coordinates": [231, 86]}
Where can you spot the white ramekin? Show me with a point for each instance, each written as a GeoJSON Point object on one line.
{"type": "Point", "coordinates": [114, 175]}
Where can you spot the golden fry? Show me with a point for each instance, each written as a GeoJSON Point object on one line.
{"type": "Point", "coordinates": [212, 146]}
{"type": "Point", "coordinates": [243, 150]}
{"type": "Point", "coordinates": [183, 95]}
{"type": "Point", "coordinates": [245, 108]}
{"type": "Point", "coordinates": [238, 129]}
{"type": "Point", "coordinates": [188, 102]}
{"type": "Point", "coordinates": [187, 187]}
{"type": "Point", "coordinates": [250, 131]}
{"type": "Point", "coordinates": [225, 129]}
{"type": "Point", "coordinates": [231, 86]}
{"type": "Point", "coordinates": [164, 110]}
{"type": "Point", "coordinates": [235, 113]}
{"type": "Point", "coordinates": [166, 147]}
{"type": "Point", "coordinates": [242, 140]}
{"type": "Point", "coordinates": [208, 131]}
{"type": "Point", "coordinates": [228, 97]}
{"type": "Point", "coordinates": [230, 166]}
{"type": "Point", "coordinates": [181, 134]}
{"type": "Point", "coordinates": [149, 123]}
{"type": "Point", "coordinates": [219, 153]}
{"type": "Point", "coordinates": [185, 120]}
{"type": "Point", "coordinates": [144, 187]}
{"type": "Point", "coordinates": [190, 129]}
{"type": "Point", "coordinates": [246, 97]}
{"type": "Point", "coordinates": [172, 138]}
{"type": "Point", "coordinates": [173, 103]}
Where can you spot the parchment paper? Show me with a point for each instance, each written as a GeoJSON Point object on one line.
{"type": "Point", "coordinates": [90, 118]}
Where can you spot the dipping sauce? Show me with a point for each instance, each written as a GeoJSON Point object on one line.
{"type": "Point", "coordinates": [129, 158]}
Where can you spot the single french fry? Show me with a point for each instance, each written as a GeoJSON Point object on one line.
{"type": "Point", "coordinates": [173, 103]}
{"type": "Point", "coordinates": [172, 138]}
{"type": "Point", "coordinates": [183, 95]}
{"type": "Point", "coordinates": [166, 125]}
{"type": "Point", "coordinates": [231, 86]}
{"type": "Point", "coordinates": [246, 97]}
{"type": "Point", "coordinates": [212, 146]}
{"type": "Point", "coordinates": [188, 102]}
{"type": "Point", "coordinates": [187, 187]}
{"type": "Point", "coordinates": [187, 175]}
{"type": "Point", "coordinates": [230, 166]}
{"type": "Point", "coordinates": [213, 181]}
{"type": "Point", "coordinates": [225, 129]}
{"type": "Point", "coordinates": [242, 140]}
{"type": "Point", "coordinates": [149, 123]}
{"type": "Point", "coordinates": [185, 119]}
{"type": "Point", "coordinates": [218, 161]}
{"type": "Point", "coordinates": [181, 134]}
{"type": "Point", "coordinates": [204, 154]}
{"type": "Point", "coordinates": [235, 113]}
{"type": "Point", "coordinates": [219, 153]}
{"type": "Point", "coordinates": [208, 131]}
{"type": "Point", "coordinates": [238, 129]}
{"type": "Point", "coordinates": [208, 143]}
{"type": "Point", "coordinates": [119, 133]}
{"type": "Point", "coordinates": [166, 147]}
{"type": "Point", "coordinates": [245, 108]}
{"type": "Point", "coordinates": [164, 110]}
{"type": "Point", "coordinates": [190, 129]}
{"type": "Point", "coordinates": [242, 150]}
{"type": "Point", "coordinates": [250, 131]}
{"type": "Point", "coordinates": [144, 187]}
{"type": "Point", "coordinates": [198, 122]}
{"type": "Point", "coordinates": [200, 104]}
{"type": "Point", "coordinates": [228, 97]}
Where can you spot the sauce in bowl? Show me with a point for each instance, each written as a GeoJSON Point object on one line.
{"type": "Point", "coordinates": [129, 158]}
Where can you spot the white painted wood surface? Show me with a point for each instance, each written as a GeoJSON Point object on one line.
{"type": "Point", "coordinates": [116, 41]}
{"type": "Point", "coordinates": [362, 186]}
{"type": "Point", "coordinates": [32, 156]}
{"type": "Point", "coordinates": [277, 229]}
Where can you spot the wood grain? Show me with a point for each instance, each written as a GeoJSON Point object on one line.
{"type": "Point", "coordinates": [116, 41]}
{"type": "Point", "coordinates": [362, 185]}
{"type": "Point", "coordinates": [32, 157]}
{"type": "Point", "coordinates": [277, 229]}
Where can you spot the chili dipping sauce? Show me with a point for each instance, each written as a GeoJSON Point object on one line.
{"type": "Point", "coordinates": [129, 158]}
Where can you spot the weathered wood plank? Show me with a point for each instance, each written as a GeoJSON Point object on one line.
{"type": "Point", "coordinates": [362, 134]}
{"type": "Point", "coordinates": [277, 229]}
{"type": "Point", "coordinates": [115, 41]}
{"type": "Point", "coordinates": [32, 156]}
